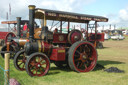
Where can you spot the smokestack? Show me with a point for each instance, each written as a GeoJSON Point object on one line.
{"type": "Point", "coordinates": [18, 27]}
{"type": "Point", "coordinates": [31, 21]}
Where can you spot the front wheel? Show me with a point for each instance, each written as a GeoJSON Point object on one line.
{"type": "Point", "coordinates": [37, 64]}
{"type": "Point", "coordinates": [19, 60]}
{"type": "Point", "coordinates": [82, 56]}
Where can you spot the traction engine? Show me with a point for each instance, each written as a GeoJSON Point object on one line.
{"type": "Point", "coordinates": [17, 42]}
{"type": "Point", "coordinates": [60, 48]}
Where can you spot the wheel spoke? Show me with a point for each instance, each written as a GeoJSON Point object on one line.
{"type": "Point", "coordinates": [24, 56]}
{"type": "Point", "coordinates": [78, 64]}
{"type": "Point", "coordinates": [78, 52]}
{"type": "Point", "coordinates": [43, 63]}
{"type": "Point", "coordinates": [87, 49]}
{"type": "Point", "coordinates": [24, 65]}
{"type": "Point", "coordinates": [20, 63]}
{"type": "Point", "coordinates": [41, 71]}
{"type": "Point", "coordinates": [20, 60]}
{"type": "Point", "coordinates": [76, 55]}
{"type": "Point", "coordinates": [33, 70]}
{"type": "Point", "coordinates": [31, 67]}
{"type": "Point", "coordinates": [77, 59]}
{"type": "Point", "coordinates": [36, 71]}
{"type": "Point", "coordinates": [85, 65]}
{"type": "Point", "coordinates": [86, 61]}
{"type": "Point", "coordinates": [39, 59]}
{"type": "Point", "coordinates": [81, 64]}
{"type": "Point", "coordinates": [33, 63]}
{"type": "Point", "coordinates": [43, 67]}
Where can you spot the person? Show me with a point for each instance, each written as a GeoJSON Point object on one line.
{"type": "Point", "coordinates": [25, 30]}
{"type": "Point", "coordinates": [56, 30]}
{"type": "Point", "coordinates": [25, 27]}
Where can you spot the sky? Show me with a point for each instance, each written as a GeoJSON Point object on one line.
{"type": "Point", "coordinates": [115, 10]}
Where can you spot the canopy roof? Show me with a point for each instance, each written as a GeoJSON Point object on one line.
{"type": "Point", "coordinates": [67, 16]}
{"type": "Point", "coordinates": [14, 22]}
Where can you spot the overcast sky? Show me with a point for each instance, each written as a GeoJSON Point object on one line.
{"type": "Point", "coordinates": [115, 10]}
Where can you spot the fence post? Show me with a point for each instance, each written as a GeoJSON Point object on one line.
{"type": "Point", "coordinates": [7, 56]}
{"type": "Point", "coordinates": [7, 62]}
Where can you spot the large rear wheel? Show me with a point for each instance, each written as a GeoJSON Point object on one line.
{"type": "Point", "coordinates": [82, 56]}
{"type": "Point", "coordinates": [37, 64]}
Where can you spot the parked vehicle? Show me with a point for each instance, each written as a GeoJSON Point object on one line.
{"type": "Point", "coordinates": [14, 34]}
{"type": "Point", "coordinates": [117, 37]}
{"type": "Point", "coordinates": [63, 49]}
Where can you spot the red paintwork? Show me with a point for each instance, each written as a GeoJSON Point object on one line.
{"type": "Point", "coordinates": [56, 38]}
{"type": "Point", "coordinates": [100, 37]}
{"type": "Point", "coordinates": [58, 54]}
{"type": "Point", "coordinates": [3, 35]}
{"type": "Point", "coordinates": [45, 47]}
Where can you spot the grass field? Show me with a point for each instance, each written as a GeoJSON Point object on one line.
{"type": "Point", "coordinates": [114, 54]}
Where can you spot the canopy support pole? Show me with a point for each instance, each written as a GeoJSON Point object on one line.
{"type": "Point", "coordinates": [68, 26]}
{"type": "Point", "coordinates": [42, 23]}
{"type": "Point", "coordinates": [87, 29]}
{"type": "Point", "coordinates": [45, 21]}
{"type": "Point", "coordinates": [61, 26]}
{"type": "Point", "coordinates": [95, 33]}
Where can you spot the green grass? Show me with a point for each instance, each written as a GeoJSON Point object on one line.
{"type": "Point", "coordinates": [115, 54]}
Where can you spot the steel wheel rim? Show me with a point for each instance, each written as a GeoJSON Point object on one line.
{"type": "Point", "coordinates": [82, 61]}
{"type": "Point", "coordinates": [38, 65]}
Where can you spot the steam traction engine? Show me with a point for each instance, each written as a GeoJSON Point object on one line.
{"type": "Point", "coordinates": [18, 41]}
{"type": "Point", "coordinates": [63, 49]}
{"type": "Point", "coordinates": [10, 36]}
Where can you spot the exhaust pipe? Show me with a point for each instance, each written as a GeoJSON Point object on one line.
{"type": "Point", "coordinates": [18, 27]}
{"type": "Point", "coordinates": [31, 21]}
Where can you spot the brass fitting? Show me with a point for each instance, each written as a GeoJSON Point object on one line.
{"type": "Point", "coordinates": [31, 6]}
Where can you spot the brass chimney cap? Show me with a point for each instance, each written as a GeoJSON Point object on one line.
{"type": "Point", "coordinates": [31, 6]}
{"type": "Point", "coordinates": [18, 17]}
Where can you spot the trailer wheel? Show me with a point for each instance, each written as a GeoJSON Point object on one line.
{"type": "Point", "coordinates": [82, 56]}
{"type": "Point", "coordinates": [60, 64]}
{"type": "Point", "coordinates": [11, 48]}
{"type": "Point", "coordinates": [19, 60]}
{"type": "Point", "coordinates": [37, 64]}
